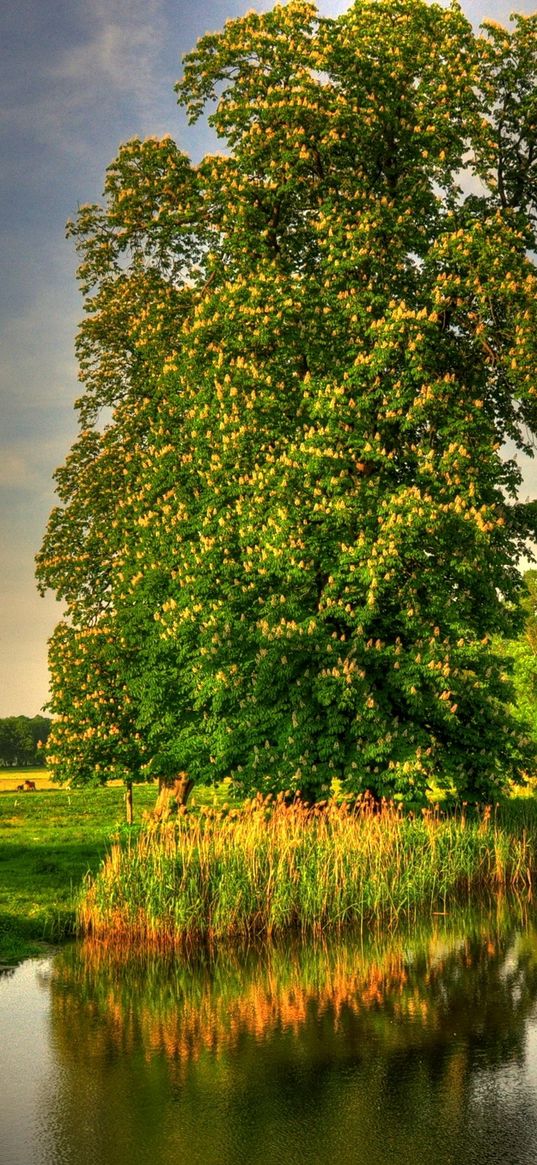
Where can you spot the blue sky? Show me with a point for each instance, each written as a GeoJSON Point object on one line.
{"type": "Point", "coordinates": [76, 79]}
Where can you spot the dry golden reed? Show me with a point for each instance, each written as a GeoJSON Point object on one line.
{"type": "Point", "coordinates": [268, 867]}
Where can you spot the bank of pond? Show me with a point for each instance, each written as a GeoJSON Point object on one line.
{"type": "Point", "coordinates": [68, 865]}
{"type": "Point", "coordinates": [408, 1043]}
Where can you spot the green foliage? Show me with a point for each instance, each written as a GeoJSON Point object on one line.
{"type": "Point", "coordinates": [298, 534]}
{"type": "Point", "coordinates": [22, 740]}
{"type": "Point", "coordinates": [94, 736]}
{"type": "Point", "coordinates": [522, 654]}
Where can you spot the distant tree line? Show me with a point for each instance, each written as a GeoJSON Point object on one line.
{"type": "Point", "coordinates": [22, 740]}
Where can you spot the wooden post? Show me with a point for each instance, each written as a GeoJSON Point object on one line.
{"type": "Point", "coordinates": [128, 803]}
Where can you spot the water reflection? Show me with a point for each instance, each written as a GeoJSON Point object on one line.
{"type": "Point", "coordinates": [393, 1048]}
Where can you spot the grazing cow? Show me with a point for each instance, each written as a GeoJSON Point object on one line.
{"type": "Point", "coordinates": [30, 787]}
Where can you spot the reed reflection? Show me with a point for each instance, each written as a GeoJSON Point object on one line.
{"type": "Point", "coordinates": [314, 1038]}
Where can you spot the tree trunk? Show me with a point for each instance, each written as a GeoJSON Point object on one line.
{"type": "Point", "coordinates": [128, 803]}
{"type": "Point", "coordinates": [172, 793]}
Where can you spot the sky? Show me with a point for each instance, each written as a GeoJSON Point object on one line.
{"type": "Point", "coordinates": [77, 78]}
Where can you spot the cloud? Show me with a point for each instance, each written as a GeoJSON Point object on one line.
{"type": "Point", "coordinates": [479, 10]}
{"type": "Point", "coordinates": [118, 58]}
{"type": "Point", "coordinates": [528, 468]}
{"type": "Point", "coordinates": [37, 367]}
{"type": "Point", "coordinates": [26, 627]}
{"type": "Point", "coordinates": [88, 85]}
{"type": "Point", "coordinates": [27, 465]}
{"type": "Point", "coordinates": [17, 469]}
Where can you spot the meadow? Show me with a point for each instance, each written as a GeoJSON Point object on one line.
{"type": "Point", "coordinates": [10, 778]}
{"type": "Point", "coordinates": [224, 869]}
{"type": "Point", "coordinates": [49, 841]}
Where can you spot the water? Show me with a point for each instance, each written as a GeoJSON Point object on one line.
{"type": "Point", "coordinates": [411, 1047]}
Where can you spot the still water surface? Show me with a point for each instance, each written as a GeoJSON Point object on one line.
{"type": "Point", "coordinates": [409, 1048]}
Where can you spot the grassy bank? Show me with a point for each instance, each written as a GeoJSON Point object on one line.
{"type": "Point", "coordinates": [48, 842]}
{"type": "Point", "coordinates": [267, 867]}
{"type": "Point", "coordinates": [246, 870]}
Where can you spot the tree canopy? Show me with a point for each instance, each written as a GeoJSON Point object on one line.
{"type": "Point", "coordinates": [290, 527]}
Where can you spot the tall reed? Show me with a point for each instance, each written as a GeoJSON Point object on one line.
{"type": "Point", "coordinates": [269, 867]}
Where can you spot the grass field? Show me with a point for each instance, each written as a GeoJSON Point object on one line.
{"type": "Point", "coordinates": [48, 841]}
{"type": "Point", "coordinates": [10, 778]}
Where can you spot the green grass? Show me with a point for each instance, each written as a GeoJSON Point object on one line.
{"type": "Point", "coordinates": [48, 842]}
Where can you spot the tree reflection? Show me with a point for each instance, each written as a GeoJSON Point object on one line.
{"type": "Point", "coordinates": [379, 1045]}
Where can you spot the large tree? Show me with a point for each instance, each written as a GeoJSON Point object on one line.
{"type": "Point", "coordinates": [300, 526]}
{"type": "Point", "coordinates": [135, 284]}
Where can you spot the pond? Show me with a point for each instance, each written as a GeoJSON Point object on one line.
{"type": "Point", "coordinates": [406, 1047]}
